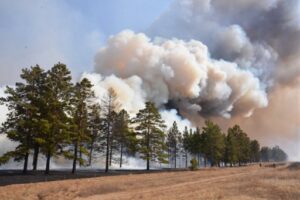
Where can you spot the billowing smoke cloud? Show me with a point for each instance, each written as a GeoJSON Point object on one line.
{"type": "Point", "coordinates": [262, 35]}
{"type": "Point", "coordinates": [229, 58]}
{"type": "Point", "coordinates": [130, 93]}
{"type": "Point", "coordinates": [179, 72]}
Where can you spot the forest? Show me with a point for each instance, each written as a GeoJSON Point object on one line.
{"type": "Point", "coordinates": [50, 115]}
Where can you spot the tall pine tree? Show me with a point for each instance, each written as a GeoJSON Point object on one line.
{"type": "Point", "coordinates": [94, 128]}
{"type": "Point", "coordinates": [109, 105]}
{"type": "Point", "coordinates": [149, 128]}
{"type": "Point", "coordinates": [173, 142]}
{"type": "Point", "coordinates": [59, 121]}
{"type": "Point", "coordinates": [83, 95]}
{"type": "Point", "coordinates": [213, 144]}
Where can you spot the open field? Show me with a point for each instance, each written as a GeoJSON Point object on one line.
{"type": "Point", "coordinates": [252, 182]}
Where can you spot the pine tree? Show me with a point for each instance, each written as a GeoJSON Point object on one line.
{"type": "Point", "coordinates": [213, 143]}
{"type": "Point", "coordinates": [278, 155]}
{"type": "Point", "coordinates": [186, 144]}
{"type": "Point", "coordinates": [254, 151]}
{"type": "Point", "coordinates": [113, 145]}
{"type": "Point", "coordinates": [242, 144]}
{"type": "Point", "coordinates": [94, 128]}
{"type": "Point", "coordinates": [58, 108]}
{"type": "Point", "coordinates": [124, 136]}
{"type": "Point", "coordinates": [173, 142]}
{"type": "Point", "coordinates": [149, 128]}
{"type": "Point", "coordinates": [17, 127]}
{"type": "Point", "coordinates": [80, 136]}
{"type": "Point", "coordinates": [232, 148]}
{"type": "Point", "coordinates": [35, 89]}
{"type": "Point", "coordinates": [196, 144]}
{"type": "Point", "coordinates": [266, 154]}
{"type": "Point", "coordinates": [109, 105]}
{"type": "Point", "coordinates": [25, 120]}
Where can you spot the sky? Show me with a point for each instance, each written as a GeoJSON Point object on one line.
{"type": "Point", "coordinates": [226, 60]}
{"type": "Point", "coordinates": [45, 32]}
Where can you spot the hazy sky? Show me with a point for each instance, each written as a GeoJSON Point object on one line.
{"type": "Point", "coordinates": [47, 31]}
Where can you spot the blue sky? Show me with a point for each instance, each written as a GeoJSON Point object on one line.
{"type": "Point", "coordinates": [47, 31]}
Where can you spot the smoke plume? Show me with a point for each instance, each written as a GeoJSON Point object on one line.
{"type": "Point", "coordinates": [262, 36]}
{"type": "Point", "coordinates": [219, 59]}
{"type": "Point", "coordinates": [236, 62]}
{"type": "Point", "coordinates": [180, 72]}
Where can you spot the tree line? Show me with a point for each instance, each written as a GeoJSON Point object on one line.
{"type": "Point", "coordinates": [52, 116]}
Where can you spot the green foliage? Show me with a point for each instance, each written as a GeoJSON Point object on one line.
{"type": "Point", "coordinates": [109, 105]}
{"type": "Point", "coordinates": [174, 142]}
{"type": "Point", "coordinates": [125, 137]}
{"type": "Point", "coordinates": [232, 148]}
{"type": "Point", "coordinates": [254, 151]}
{"type": "Point", "coordinates": [213, 144]}
{"type": "Point", "coordinates": [94, 130]}
{"type": "Point", "coordinates": [149, 128]}
{"type": "Point", "coordinates": [275, 154]}
{"type": "Point", "coordinates": [194, 164]}
{"type": "Point", "coordinates": [24, 122]}
{"type": "Point", "coordinates": [48, 114]}
{"type": "Point", "coordinates": [278, 154]}
{"type": "Point", "coordinates": [58, 111]}
{"type": "Point", "coordinates": [80, 102]}
{"type": "Point", "coordinates": [238, 146]}
{"type": "Point", "coordinates": [266, 154]}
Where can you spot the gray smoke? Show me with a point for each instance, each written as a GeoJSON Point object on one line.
{"type": "Point", "coordinates": [260, 35]}
{"type": "Point", "coordinates": [230, 58]}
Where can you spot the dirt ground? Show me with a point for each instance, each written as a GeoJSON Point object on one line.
{"type": "Point", "coordinates": [252, 182]}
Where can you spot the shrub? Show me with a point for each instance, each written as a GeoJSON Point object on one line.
{"type": "Point", "coordinates": [194, 164]}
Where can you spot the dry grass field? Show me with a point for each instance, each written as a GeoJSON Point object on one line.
{"type": "Point", "coordinates": [252, 182]}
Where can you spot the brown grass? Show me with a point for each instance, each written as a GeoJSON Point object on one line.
{"type": "Point", "coordinates": [242, 183]}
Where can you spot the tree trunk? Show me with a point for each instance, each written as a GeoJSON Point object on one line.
{"type": "Point", "coordinates": [75, 158]}
{"type": "Point", "coordinates": [107, 153]}
{"type": "Point", "coordinates": [186, 160]}
{"type": "Point", "coordinates": [205, 162]}
{"type": "Point", "coordinates": [35, 157]}
{"type": "Point", "coordinates": [80, 156]}
{"type": "Point", "coordinates": [91, 153]}
{"type": "Point", "coordinates": [48, 163]}
{"type": "Point", "coordinates": [148, 164]}
{"type": "Point", "coordinates": [90, 156]}
{"type": "Point", "coordinates": [175, 158]}
{"type": "Point", "coordinates": [110, 155]}
{"type": "Point", "coordinates": [25, 163]}
{"type": "Point", "coordinates": [148, 154]}
{"type": "Point", "coordinates": [148, 148]}
{"type": "Point", "coordinates": [121, 156]}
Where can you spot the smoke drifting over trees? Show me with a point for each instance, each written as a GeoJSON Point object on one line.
{"type": "Point", "coordinates": [181, 72]}
{"type": "Point", "coordinates": [50, 115]}
{"type": "Point", "coordinates": [230, 59]}
{"type": "Point", "coordinates": [218, 59]}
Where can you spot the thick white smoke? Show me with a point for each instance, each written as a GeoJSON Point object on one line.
{"type": "Point", "coordinates": [129, 91]}
{"type": "Point", "coordinates": [176, 71]}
